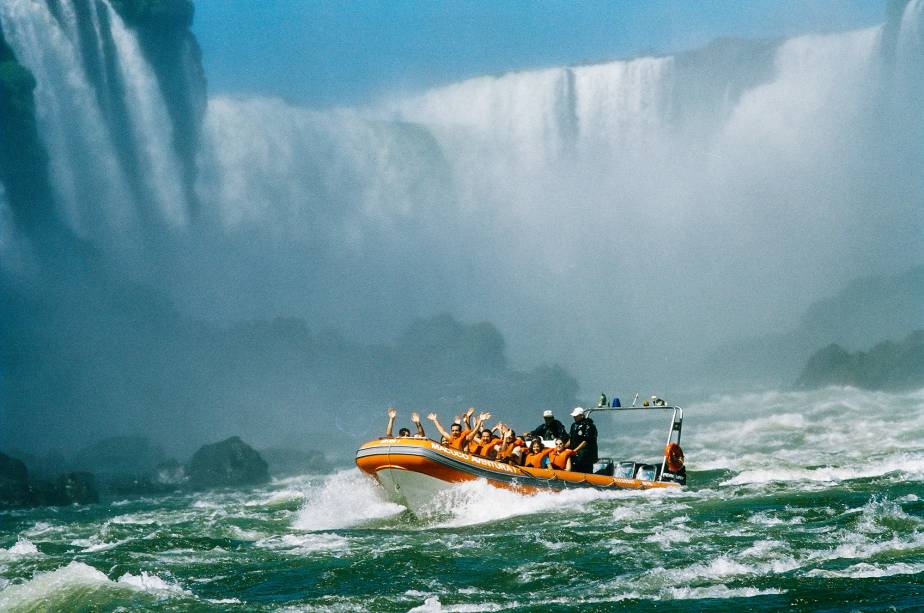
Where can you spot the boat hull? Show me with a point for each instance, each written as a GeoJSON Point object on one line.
{"type": "Point", "coordinates": [413, 471]}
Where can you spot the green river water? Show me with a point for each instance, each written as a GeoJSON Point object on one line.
{"type": "Point", "coordinates": [806, 501]}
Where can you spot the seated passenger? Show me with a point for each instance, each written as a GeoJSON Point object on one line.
{"type": "Point", "coordinates": [405, 432]}
{"type": "Point", "coordinates": [474, 446]}
{"type": "Point", "coordinates": [511, 448]}
{"type": "Point", "coordinates": [488, 445]}
{"type": "Point", "coordinates": [456, 438]}
{"type": "Point", "coordinates": [536, 456]}
{"type": "Point", "coordinates": [392, 413]}
{"type": "Point", "coordinates": [560, 458]}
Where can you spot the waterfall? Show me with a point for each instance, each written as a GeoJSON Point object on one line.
{"type": "Point", "coordinates": [717, 168]}
{"type": "Point", "coordinates": [150, 123]}
{"type": "Point", "coordinates": [85, 172]}
{"type": "Point", "coordinates": [622, 104]}
{"type": "Point", "coordinates": [104, 167]}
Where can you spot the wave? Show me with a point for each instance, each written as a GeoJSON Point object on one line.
{"type": "Point", "coordinates": [79, 585]}
{"type": "Point", "coordinates": [343, 500]}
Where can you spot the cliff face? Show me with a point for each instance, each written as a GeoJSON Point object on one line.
{"type": "Point", "coordinates": [887, 366]}
{"type": "Point", "coordinates": [23, 161]}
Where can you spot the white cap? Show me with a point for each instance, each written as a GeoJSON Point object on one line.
{"type": "Point", "coordinates": [577, 411]}
{"type": "Point", "coordinates": [547, 414]}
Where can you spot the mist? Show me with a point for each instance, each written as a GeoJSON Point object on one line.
{"type": "Point", "coordinates": [187, 264]}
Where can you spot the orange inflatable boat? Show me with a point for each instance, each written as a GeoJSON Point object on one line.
{"type": "Point", "coordinates": [413, 470]}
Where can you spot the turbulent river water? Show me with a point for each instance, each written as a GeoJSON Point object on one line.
{"type": "Point", "coordinates": [797, 500]}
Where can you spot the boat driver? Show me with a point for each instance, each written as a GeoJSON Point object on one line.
{"type": "Point", "coordinates": [583, 441]}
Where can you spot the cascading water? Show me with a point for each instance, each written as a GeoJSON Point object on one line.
{"type": "Point", "coordinates": [151, 125]}
{"type": "Point", "coordinates": [77, 124]}
{"type": "Point", "coordinates": [92, 189]}
{"type": "Point", "coordinates": [588, 194]}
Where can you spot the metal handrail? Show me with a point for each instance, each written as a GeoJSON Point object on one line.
{"type": "Point", "coordinates": [676, 423]}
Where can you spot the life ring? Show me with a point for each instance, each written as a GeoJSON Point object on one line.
{"type": "Point", "coordinates": [674, 455]}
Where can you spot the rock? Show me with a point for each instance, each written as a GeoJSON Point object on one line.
{"type": "Point", "coordinates": [227, 463]}
{"type": "Point", "coordinates": [69, 488]}
{"type": "Point", "coordinates": [887, 366]}
{"type": "Point", "coordinates": [14, 482]}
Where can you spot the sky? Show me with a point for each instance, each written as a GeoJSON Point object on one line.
{"type": "Point", "coordinates": [324, 53]}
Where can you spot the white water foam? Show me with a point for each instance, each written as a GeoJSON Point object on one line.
{"type": "Point", "coordinates": [22, 548]}
{"type": "Point", "coordinates": [55, 590]}
{"type": "Point", "coordinates": [344, 499]}
{"type": "Point", "coordinates": [478, 502]}
{"type": "Point", "coordinates": [718, 591]}
{"type": "Point", "coordinates": [864, 570]}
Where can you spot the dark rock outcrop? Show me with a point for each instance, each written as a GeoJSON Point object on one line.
{"type": "Point", "coordinates": [887, 366]}
{"type": "Point", "coordinates": [14, 482]}
{"type": "Point", "coordinates": [227, 463]}
{"type": "Point", "coordinates": [69, 488]}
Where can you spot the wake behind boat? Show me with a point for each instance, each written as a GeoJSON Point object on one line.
{"type": "Point", "coordinates": [413, 470]}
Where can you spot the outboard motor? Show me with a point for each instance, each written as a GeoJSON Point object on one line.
{"type": "Point", "coordinates": [603, 466]}
{"type": "Point", "coordinates": [625, 470]}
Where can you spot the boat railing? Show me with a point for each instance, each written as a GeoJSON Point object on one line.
{"type": "Point", "coordinates": [676, 423]}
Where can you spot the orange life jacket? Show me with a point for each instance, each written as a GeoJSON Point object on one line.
{"type": "Point", "coordinates": [534, 460]}
{"type": "Point", "coordinates": [458, 440]}
{"type": "Point", "coordinates": [506, 451]}
{"type": "Point", "coordinates": [485, 449]}
{"type": "Point", "coordinates": [558, 460]}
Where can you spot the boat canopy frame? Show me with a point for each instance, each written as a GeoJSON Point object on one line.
{"type": "Point", "coordinates": [676, 424]}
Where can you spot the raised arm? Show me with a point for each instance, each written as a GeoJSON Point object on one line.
{"type": "Point", "coordinates": [467, 418]}
{"type": "Point", "coordinates": [392, 413]}
{"type": "Point", "coordinates": [483, 417]}
{"type": "Point", "coordinates": [415, 417]}
{"type": "Point", "coordinates": [439, 428]}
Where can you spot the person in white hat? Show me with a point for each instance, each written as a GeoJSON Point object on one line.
{"type": "Point", "coordinates": [550, 428]}
{"type": "Point", "coordinates": [583, 441]}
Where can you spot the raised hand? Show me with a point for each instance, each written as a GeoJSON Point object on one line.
{"type": "Point", "coordinates": [483, 417]}
{"type": "Point", "coordinates": [432, 416]}
{"type": "Point", "coordinates": [470, 411]}
{"type": "Point", "coordinates": [392, 412]}
{"type": "Point", "coordinates": [415, 418]}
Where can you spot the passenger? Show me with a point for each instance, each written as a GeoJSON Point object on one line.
{"type": "Point", "coordinates": [456, 438]}
{"type": "Point", "coordinates": [482, 437]}
{"type": "Point", "coordinates": [511, 449]}
{"type": "Point", "coordinates": [488, 445]}
{"type": "Point", "coordinates": [415, 418]}
{"type": "Point", "coordinates": [392, 413]}
{"type": "Point", "coordinates": [560, 457]}
{"type": "Point", "coordinates": [583, 441]}
{"type": "Point", "coordinates": [550, 428]}
{"type": "Point", "coordinates": [403, 432]}
{"type": "Point", "coordinates": [537, 455]}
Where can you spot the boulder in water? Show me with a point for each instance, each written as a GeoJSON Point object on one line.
{"type": "Point", "coordinates": [14, 482]}
{"type": "Point", "coordinates": [227, 463]}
